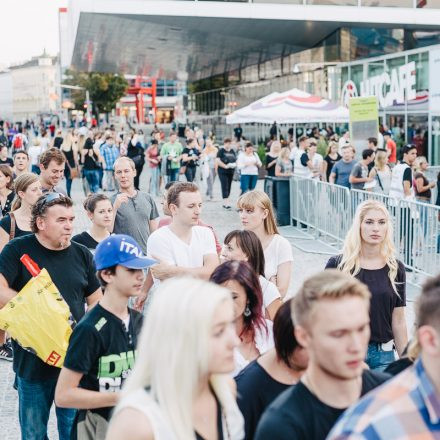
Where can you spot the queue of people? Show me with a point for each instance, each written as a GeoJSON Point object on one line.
{"type": "Point", "coordinates": [176, 338]}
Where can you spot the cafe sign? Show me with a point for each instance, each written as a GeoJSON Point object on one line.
{"type": "Point", "coordinates": [390, 88]}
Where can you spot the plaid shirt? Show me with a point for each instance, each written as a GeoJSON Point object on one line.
{"type": "Point", "coordinates": [407, 407]}
{"type": "Point", "coordinates": [110, 153]}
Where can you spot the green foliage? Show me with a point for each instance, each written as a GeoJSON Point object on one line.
{"type": "Point", "coordinates": [261, 151]}
{"type": "Point", "coordinates": [105, 89]}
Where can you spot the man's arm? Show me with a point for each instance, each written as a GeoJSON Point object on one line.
{"type": "Point", "coordinates": [163, 271]}
{"type": "Point", "coordinates": [332, 177]}
{"type": "Point", "coordinates": [6, 293]}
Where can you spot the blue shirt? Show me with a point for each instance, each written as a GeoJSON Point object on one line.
{"type": "Point", "coordinates": [343, 170]}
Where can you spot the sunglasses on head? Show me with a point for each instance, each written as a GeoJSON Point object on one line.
{"type": "Point", "coordinates": [50, 197]}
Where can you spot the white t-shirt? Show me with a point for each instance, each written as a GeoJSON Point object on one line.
{"type": "Point", "coordinates": [270, 292]}
{"type": "Point", "coordinates": [248, 165]}
{"type": "Point", "coordinates": [263, 342]}
{"type": "Point", "coordinates": [168, 247]}
{"type": "Point", "coordinates": [34, 154]}
{"type": "Point", "coordinates": [278, 252]}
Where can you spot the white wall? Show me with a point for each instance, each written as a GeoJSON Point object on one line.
{"type": "Point", "coordinates": [5, 96]}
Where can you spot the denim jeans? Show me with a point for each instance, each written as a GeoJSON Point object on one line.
{"type": "Point", "coordinates": [378, 359]}
{"type": "Point", "coordinates": [248, 182]}
{"type": "Point", "coordinates": [109, 180]}
{"type": "Point", "coordinates": [174, 175]}
{"type": "Point", "coordinates": [35, 400]}
{"type": "Point", "coordinates": [190, 174]}
{"type": "Point", "coordinates": [154, 181]}
{"type": "Point", "coordinates": [92, 177]}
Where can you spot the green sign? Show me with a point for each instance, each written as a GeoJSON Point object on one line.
{"type": "Point", "coordinates": [364, 120]}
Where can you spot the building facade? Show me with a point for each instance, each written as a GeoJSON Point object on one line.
{"type": "Point", "coordinates": [35, 86]}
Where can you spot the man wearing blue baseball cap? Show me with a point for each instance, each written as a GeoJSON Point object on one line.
{"type": "Point", "coordinates": [102, 347]}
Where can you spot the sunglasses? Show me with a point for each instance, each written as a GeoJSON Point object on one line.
{"type": "Point", "coordinates": [50, 197]}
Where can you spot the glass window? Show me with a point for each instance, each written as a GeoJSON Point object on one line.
{"type": "Point", "coordinates": [421, 61]}
{"type": "Point", "coordinates": [388, 3]}
{"type": "Point", "coordinates": [432, 4]}
{"type": "Point", "coordinates": [435, 141]}
{"type": "Point", "coordinates": [417, 133]}
{"type": "Point", "coordinates": [333, 2]}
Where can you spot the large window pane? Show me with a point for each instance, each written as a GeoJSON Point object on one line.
{"type": "Point", "coordinates": [333, 2]}
{"type": "Point", "coordinates": [388, 3]}
{"type": "Point", "coordinates": [435, 141]}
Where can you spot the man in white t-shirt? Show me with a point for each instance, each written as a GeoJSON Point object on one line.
{"type": "Point", "coordinates": [183, 247]}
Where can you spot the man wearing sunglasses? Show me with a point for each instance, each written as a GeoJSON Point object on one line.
{"type": "Point", "coordinates": [72, 270]}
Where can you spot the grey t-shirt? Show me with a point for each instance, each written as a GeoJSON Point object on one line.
{"type": "Point", "coordinates": [359, 170]}
{"type": "Point", "coordinates": [342, 170]}
{"type": "Point", "coordinates": [133, 217]}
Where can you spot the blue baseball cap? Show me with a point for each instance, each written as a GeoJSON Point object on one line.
{"type": "Point", "coordinates": [123, 250]}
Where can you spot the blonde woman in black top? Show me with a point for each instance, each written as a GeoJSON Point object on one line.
{"type": "Point", "coordinates": [369, 255]}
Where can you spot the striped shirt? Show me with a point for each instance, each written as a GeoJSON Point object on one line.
{"type": "Point", "coordinates": [407, 407]}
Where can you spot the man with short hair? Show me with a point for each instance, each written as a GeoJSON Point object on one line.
{"type": "Point", "coordinates": [341, 170]}
{"type": "Point", "coordinates": [171, 152]}
{"type": "Point", "coordinates": [400, 189]}
{"type": "Point", "coordinates": [409, 405]}
{"type": "Point", "coordinates": [331, 316]}
{"type": "Point", "coordinates": [183, 247]}
{"type": "Point", "coordinates": [359, 174]}
{"type": "Point", "coordinates": [71, 267]}
{"type": "Point", "coordinates": [21, 163]}
{"type": "Point", "coordinates": [135, 212]}
{"type": "Point", "coordinates": [52, 163]}
{"type": "Point", "coordinates": [302, 165]}
{"type": "Point", "coordinates": [372, 145]}
{"type": "Point", "coordinates": [110, 152]}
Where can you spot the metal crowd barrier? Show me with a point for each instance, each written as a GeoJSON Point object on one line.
{"type": "Point", "coordinates": [326, 212]}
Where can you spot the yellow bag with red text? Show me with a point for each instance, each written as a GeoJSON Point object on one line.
{"type": "Point", "coordinates": [39, 319]}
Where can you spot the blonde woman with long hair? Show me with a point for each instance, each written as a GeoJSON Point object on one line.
{"type": "Point", "coordinates": [180, 387]}
{"type": "Point", "coordinates": [369, 255]}
{"type": "Point", "coordinates": [256, 215]}
{"type": "Point", "coordinates": [381, 172]}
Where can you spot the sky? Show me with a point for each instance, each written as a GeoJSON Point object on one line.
{"type": "Point", "coordinates": [27, 27]}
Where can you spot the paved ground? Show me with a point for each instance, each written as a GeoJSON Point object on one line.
{"type": "Point", "coordinates": [307, 260]}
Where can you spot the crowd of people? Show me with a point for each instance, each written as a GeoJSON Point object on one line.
{"type": "Point", "coordinates": [181, 336]}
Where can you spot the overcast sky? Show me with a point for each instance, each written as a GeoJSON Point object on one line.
{"type": "Point", "coordinates": [27, 27]}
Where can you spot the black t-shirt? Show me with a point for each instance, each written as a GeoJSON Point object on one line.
{"type": "Point", "coordinates": [5, 224]}
{"type": "Point", "coordinates": [73, 272]}
{"type": "Point", "coordinates": [57, 142]}
{"type": "Point", "coordinates": [304, 159]}
{"type": "Point", "coordinates": [103, 350]}
{"type": "Point", "coordinates": [256, 390]}
{"type": "Point", "coordinates": [8, 203]}
{"type": "Point", "coordinates": [407, 175]}
{"type": "Point", "coordinates": [271, 169]}
{"type": "Point", "coordinates": [226, 157]}
{"type": "Point", "coordinates": [297, 414]}
{"type": "Point", "coordinates": [427, 193]}
{"type": "Point", "coordinates": [8, 161]}
{"type": "Point", "coordinates": [191, 152]}
{"type": "Point", "coordinates": [383, 298]}
{"type": "Point", "coordinates": [86, 240]}
{"type": "Point", "coordinates": [330, 163]}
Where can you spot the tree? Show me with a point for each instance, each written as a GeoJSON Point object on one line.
{"type": "Point", "coordinates": [105, 89]}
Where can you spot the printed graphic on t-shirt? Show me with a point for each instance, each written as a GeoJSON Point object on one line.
{"type": "Point", "coordinates": [114, 369]}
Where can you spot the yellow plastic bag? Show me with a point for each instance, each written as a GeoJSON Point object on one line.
{"type": "Point", "coordinates": [38, 318]}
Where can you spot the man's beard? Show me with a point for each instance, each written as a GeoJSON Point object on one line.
{"type": "Point", "coordinates": [63, 244]}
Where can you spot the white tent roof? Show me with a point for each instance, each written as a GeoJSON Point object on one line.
{"type": "Point", "coordinates": [291, 107]}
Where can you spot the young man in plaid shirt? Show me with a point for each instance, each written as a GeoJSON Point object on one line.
{"type": "Point", "coordinates": [407, 407]}
{"type": "Point", "coordinates": [110, 152]}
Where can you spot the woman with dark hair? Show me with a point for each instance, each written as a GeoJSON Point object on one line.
{"type": "Point", "coordinates": [246, 246]}
{"type": "Point", "coordinates": [254, 331]}
{"type": "Point", "coordinates": [272, 373]}
{"type": "Point", "coordinates": [6, 189]}
{"type": "Point", "coordinates": [100, 212]}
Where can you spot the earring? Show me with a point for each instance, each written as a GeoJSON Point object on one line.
{"type": "Point", "coordinates": [247, 311]}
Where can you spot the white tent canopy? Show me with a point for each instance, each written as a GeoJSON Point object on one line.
{"type": "Point", "coordinates": [291, 107]}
